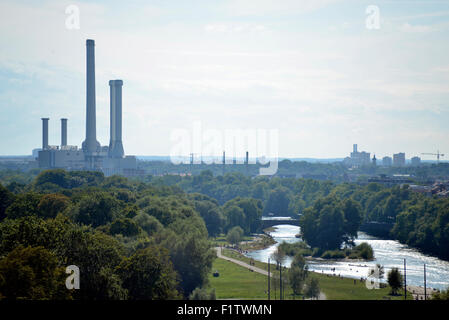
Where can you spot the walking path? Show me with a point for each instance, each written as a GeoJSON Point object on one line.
{"type": "Point", "coordinates": [418, 292]}
{"type": "Point", "coordinates": [253, 268]}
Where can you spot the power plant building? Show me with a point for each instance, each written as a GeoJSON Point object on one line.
{"type": "Point", "coordinates": [92, 156]}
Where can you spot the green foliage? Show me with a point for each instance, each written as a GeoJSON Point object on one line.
{"type": "Point", "coordinates": [250, 220]}
{"type": "Point", "coordinates": [148, 223]}
{"type": "Point", "coordinates": [52, 204]}
{"type": "Point", "coordinates": [442, 295]}
{"type": "Point", "coordinates": [6, 199]}
{"type": "Point", "coordinates": [235, 216]}
{"type": "Point", "coordinates": [149, 275]}
{"type": "Point", "coordinates": [312, 288]}
{"type": "Point", "coordinates": [330, 222]}
{"type": "Point", "coordinates": [363, 250]}
{"type": "Point", "coordinates": [395, 280]}
{"type": "Point", "coordinates": [192, 256]}
{"type": "Point", "coordinates": [32, 273]}
{"type": "Point", "coordinates": [72, 213]}
{"type": "Point", "coordinates": [95, 209]}
{"type": "Point", "coordinates": [124, 226]}
{"type": "Point", "coordinates": [333, 254]}
{"type": "Point", "coordinates": [278, 202]}
{"type": "Point", "coordinates": [202, 294]}
{"type": "Point", "coordinates": [211, 213]}
{"type": "Point", "coordinates": [297, 274]}
{"type": "Point", "coordinates": [234, 235]}
{"type": "Point", "coordinates": [24, 205]}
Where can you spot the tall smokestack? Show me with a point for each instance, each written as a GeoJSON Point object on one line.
{"type": "Point", "coordinates": [90, 145]}
{"type": "Point", "coordinates": [115, 143]}
{"type": "Point", "coordinates": [45, 133]}
{"type": "Point", "coordinates": [63, 132]}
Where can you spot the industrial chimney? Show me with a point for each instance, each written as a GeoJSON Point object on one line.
{"type": "Point", "coordinates": [115, 143]}
{"type": "Point", "coordinates": [90, 145]}
{"type": "Point", "coordinates": [63, 132]}
{"type": "Point", "coordinates": [45, 133]}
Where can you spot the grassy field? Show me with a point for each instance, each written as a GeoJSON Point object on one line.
{"type": "Point", "coordinates": [236, 282]}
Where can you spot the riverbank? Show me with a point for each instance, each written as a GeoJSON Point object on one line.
{"type": "Point", "coordinates": [388, 253]}
{"type": "Point", "coordinates": [333, 287]}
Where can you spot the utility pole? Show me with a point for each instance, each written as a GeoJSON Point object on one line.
{"type": "Point", "coordinates": [269, 279]}
{"type": "Point", "coordinates": [425, 284]}
{"type": "Point", "coordinates": [405, 281]}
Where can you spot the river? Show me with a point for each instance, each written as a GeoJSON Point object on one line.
{"type": "Point", "coordinates": [388, 253]}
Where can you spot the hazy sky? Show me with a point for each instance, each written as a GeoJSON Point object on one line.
{"type": "Point", "coordinates": [310, 69]}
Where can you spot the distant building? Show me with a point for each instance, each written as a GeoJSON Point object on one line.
{"type": "Point", "coordinates": [357, 158]}
{"type": "Point", "coordinates": [399, 159]}
{"type": "Point", "coordinates": [374, 161]}
{"type": "Point", "coordinates": [416, 161]}
{"type": "Point", "coordinates": [91, 156]}
{"type": "Point", "coordinates": [387, 161]}
{"type": "Point", "coordinates": [391, 180]}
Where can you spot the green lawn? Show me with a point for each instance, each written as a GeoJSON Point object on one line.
{"type": "Point", "coordinates": [236, 282]}
{"type": "Point", "coordinates": [232, 254]}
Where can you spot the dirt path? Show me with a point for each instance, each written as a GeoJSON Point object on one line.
{"type": "Point", "coordinates": [255, 269]}
{"type": "Point", "coordinates": [418, 292]}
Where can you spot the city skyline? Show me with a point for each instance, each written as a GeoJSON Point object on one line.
{"type": "Point", "coordinates": [311, 69]}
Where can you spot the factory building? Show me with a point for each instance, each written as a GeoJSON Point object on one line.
{"type": "Point", "coordinates": [92, 156]}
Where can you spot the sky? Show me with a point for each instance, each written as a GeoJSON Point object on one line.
{"type": "Point", "coordinates": [324, 73]}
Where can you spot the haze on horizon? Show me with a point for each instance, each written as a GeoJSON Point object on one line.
{"type": "Point", "coordinates": [311, 69]}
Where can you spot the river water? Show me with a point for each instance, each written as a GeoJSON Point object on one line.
{"type": "Point", "coordinates": [388, 253]}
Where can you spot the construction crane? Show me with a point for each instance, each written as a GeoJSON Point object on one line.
{"type": "Point", "coordinates": [438, 154]}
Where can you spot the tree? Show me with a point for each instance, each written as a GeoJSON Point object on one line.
{"type": "Point", "coordinates": [24, 205]}
{"type": "Point", "coordinates": [148, 223]}
{"type": "Point", "coordinates": [312, 289]}
{"type": "Point", "coordinates": [124, 226]}
{"type": "Point", "coordinates": [149, 275]}
{"type": "Point", "coordinates": [192, 256]}
{"type": "Point", "coordinates": [298, 273]}
{"type": "Point", "coordinates": [202, 294]}
{"type": "Point", "coordinates": [211, 213]}
{"type": "Point", "coordinates": [97, 255]}
{"type": "Point", "coordinates": [235, 216]}
{"type": "Point", "coordinates": [56, 177]}
{"type": "Point", "coordinates": [32, 273]}
{"type": "Point", "coordinates": [278, 202]}
{"type": "Point", "coordinates": [96, 209]}
{"type": "Point", "coordinates": [443, 295]}
{"type": "Point", "coordinates": [52, 204]}
{"type": "Point", "coordinates": [395, 280]}
{"type": "Point", "coordinates": [234, 235]}
{"type": "Point", "coordinates": [330, 222]}
{"type": "Point", "coordinates": [353, 218]}
{"type": "Point", "coordinates": [6, 198]}
{"type": "Point", "coordinates": [278, 255]}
